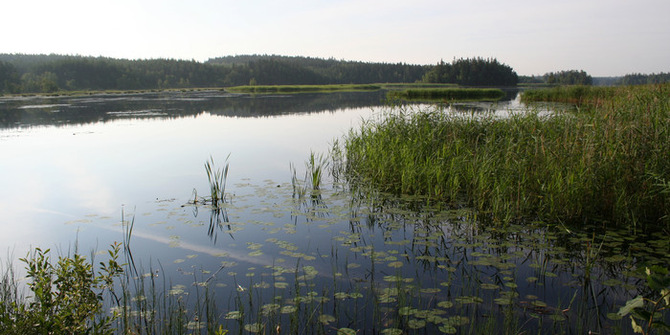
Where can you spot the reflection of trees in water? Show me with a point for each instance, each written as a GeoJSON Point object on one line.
{"type": "Point", "coordinates": [171, 105]}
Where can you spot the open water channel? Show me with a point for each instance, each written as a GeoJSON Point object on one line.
{"type": "Point", "coordinates": [75, 170]}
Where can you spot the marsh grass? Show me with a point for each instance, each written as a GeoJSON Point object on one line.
{"type": "Point", "coordinates": [461, 94]}
{"type": "Point", "coordinates": [217, 182]}
{"type": "Point", "coordinates": [605, 162]}
{"type": "Point", "coordinates": [265, 89]}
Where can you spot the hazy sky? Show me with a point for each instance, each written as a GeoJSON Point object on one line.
{"type": "Point", "coordinates": [604, 38]}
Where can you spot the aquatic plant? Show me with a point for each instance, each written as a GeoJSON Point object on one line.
{"type": "Point", "coordinates": [448, 94]}
{"type": "Point", "coordinates": [527, 165]}
{"type": "Point", "coordinates": [217, 181]}
{"type": "Point", "coordinates": [260, 89]}
{"type": "Point", "coordinates": [314, 173]}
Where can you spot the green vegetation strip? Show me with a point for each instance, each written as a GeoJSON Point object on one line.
{"type": "Point", "coordinates": [449, 94]}
{"type": "Point", "coordinates": [606, 161]}
{"type": "Point", "coordinates": [577, 94]}
{"type": "Point", "coordinates": [301, 88]}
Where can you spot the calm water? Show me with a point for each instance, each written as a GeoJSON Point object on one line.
{"type": "Point", "coordinates": [71, 166]}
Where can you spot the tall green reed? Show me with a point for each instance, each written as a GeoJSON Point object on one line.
{"type": "Point", "coordinates": [607, 161]}
{"type": "Point", "coordinates": [217, 181]}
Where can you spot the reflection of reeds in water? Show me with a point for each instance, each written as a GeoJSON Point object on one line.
{"type": "Point", "coordinates": [217, 181]}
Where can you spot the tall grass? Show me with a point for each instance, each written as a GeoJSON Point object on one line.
{"type": "Point", "coordinates": [217, 181]}
{"type": "Point", "coordinates": [607, 161]}
{"type": "Point", "coordinates": [302, 88]}
{"type": "Point", "coordinates": [449, 94]}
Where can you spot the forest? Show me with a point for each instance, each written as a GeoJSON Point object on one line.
{"type": "Point", "coordinates": [472, 72]}
{"type": "Point", "coordinates": [52, 73]}
{"type": "Point", "coordinates": [22, 73]}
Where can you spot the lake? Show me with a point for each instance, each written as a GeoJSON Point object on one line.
{"type": "Point", "coordinates": [78, 171]}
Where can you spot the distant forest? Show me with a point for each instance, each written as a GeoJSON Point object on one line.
{"type": "Point", "coordinates": [51, 73]}
{"type": "Point", "coordinates": [21, 73]}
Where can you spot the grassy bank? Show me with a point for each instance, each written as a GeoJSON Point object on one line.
{"type": "Point", "coordinates": [577, 94]}
{"type": "Point", "coordinates": [300, 88]}
{"type": "Point", "coordinates": [608, 161]}
{"type": "Point", "coordinates": [448, 94]}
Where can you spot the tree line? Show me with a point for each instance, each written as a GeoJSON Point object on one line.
{"type": "Point", "coordinates": [51, 73]}
{"type": "Point", "coordinates": [579, 77]}
{"type": "Point", "coordinates": [641, 79]}
{"type": "Point", "coordinates": [570, 77]}
{"type": "Point", "coordinates": [21, 73]}
{"type": "Point", "coordinates": [472, 72]}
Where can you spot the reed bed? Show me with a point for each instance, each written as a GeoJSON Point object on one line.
{"type": "Point", "coordinates": [449, 94]}
{"type": "Point", "coordinates": [301, 88]}
{"type": "Point", "coordinates": [607, 161]}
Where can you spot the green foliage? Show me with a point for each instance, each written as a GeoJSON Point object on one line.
{"type": "Point", "coordinates": [449, 94]}
{"type": "Point", "coordinates": [642, 79]}
{"type": "Point", "coordinates": [284, 70]}
{"type": "Point", "coordinates": [217, 181]}
{"type": "Point", "coordinates": [472, 72]}
{"type": "Point", "coordinates": [648, 313]}
{"type": "Point", "coordinates": [571, 77]}
{"type": "Point", "coordinates": [9, 78]}
{"type": "Point", "coordinates": [528, 165]}
{"type": "Point", "coordinates": [66, 296]}
{"type": "Point", "coordinates": [301, 88]}
{"type": "Point", "coordinates": [575, 94]}
{"type": "Point", "coordinates": [50, 73]}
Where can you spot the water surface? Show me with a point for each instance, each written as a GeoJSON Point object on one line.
{"type": "Point", "coordinates": [74, 168]}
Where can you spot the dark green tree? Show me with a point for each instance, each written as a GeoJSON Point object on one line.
{"type": "Point", "coordinates": [472, 72]}
{"type": "Point", "coordinates": [10, 82]}
{"type": "Point", "coordinates": [571, 77]}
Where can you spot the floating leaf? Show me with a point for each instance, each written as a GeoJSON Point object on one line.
{"type": "Point", "coordinates": [488, 286]}
{"type": "Point", "coordinates": [395, 264]}
{"type": "Point", "coordinates": [346, 331]}
{"type": "Point", "coordinates": [234, 315]}
{"type": "Point", "coordinates": [392, 278]}
{"type": "Point", "coordinates": [469, 300]}
{"type": "Point", "coordinates": [254, 327]}
{"type": "Point", "coordinates": [416, 324]}
{"type": "Point", "coordinates": [255, 253]}
{"type": "Point", "coordinates": [448, 329]}
{"type": "Point", "coordinates": [391, 331]}
{"type": "Point", "coordinates": [288, 309]}
{"type": "Point", "coordinates": [445, 304]}
{"type": "Point", "coordinates": [430, 290]}
{"type": "Point", "coordinates": [326, 318]}
{"type": "Point", "coordinates": [341, 295]}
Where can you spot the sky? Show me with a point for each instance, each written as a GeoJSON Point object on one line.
{"type": "Point", "coordinates": [603, 38]}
